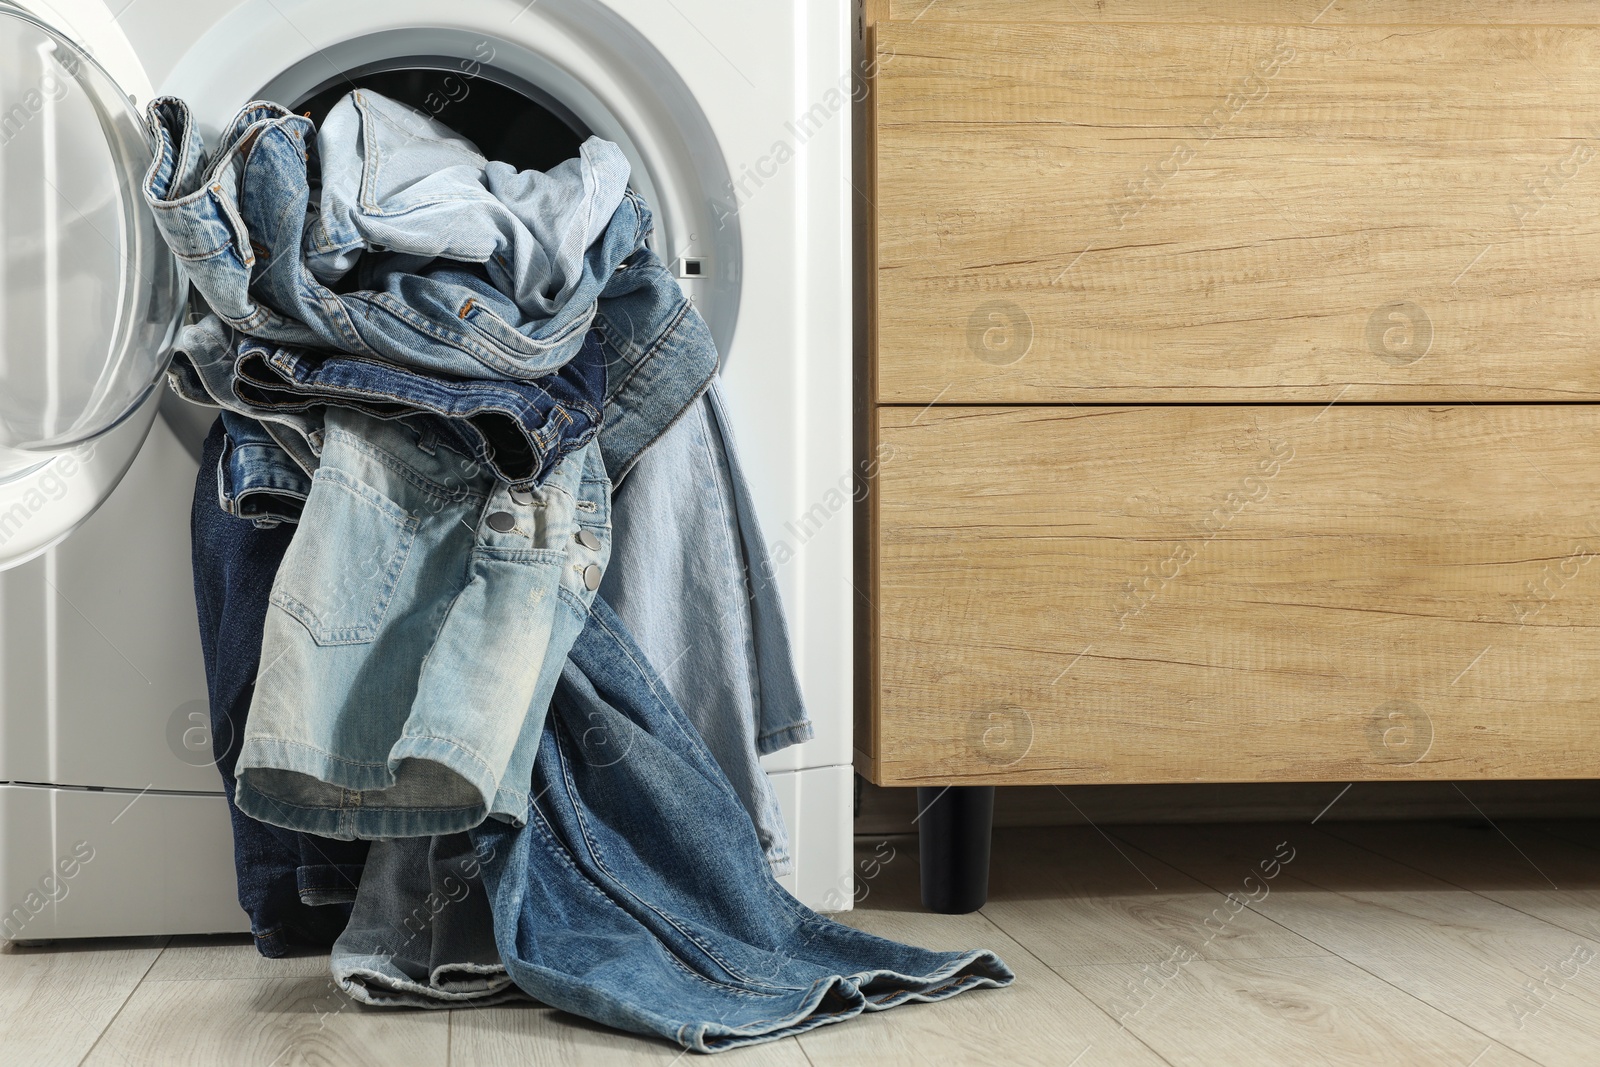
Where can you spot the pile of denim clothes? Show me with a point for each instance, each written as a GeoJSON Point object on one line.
{"type": "Point", "coordinates": [493, 641]}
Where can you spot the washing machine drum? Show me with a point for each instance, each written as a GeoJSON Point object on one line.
{"type": "Point", "coordinates": [90, 297]}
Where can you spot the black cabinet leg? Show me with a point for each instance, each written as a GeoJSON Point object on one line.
{"type": "Point", "coordinates": [954, 830]}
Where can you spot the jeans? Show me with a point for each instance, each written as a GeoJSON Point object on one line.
{"type": "Point", "coordinates": [414, 638]}
{"type": "Point", "coordinates": [396, 179]}
{"type": "Point", "coordinates": [691, 579]}
{"type": "Point", "coordinates": [420, 933]}
{"type": "Point", "coordinates": [637, 894]}
{"type": "Point", "coordinates": [519, 430]}
{"type": "Point", "coordinates": [246, 254]}
{"type": "Point", "coordinates": [296, 888]}
{"type": "Point", "coordinates": [205, 346]}
{"type": "Point", "coordinates": [255, 478]}
{"type": "Point", "coordinates": [659, 359]}
{"type": "Point", "coordinates": [242, 224]}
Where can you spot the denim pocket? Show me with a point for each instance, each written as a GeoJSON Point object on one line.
{"type": "Point", "coordinates": [341, 570]}
{"type": "Point", "coordinates": [515, 353]}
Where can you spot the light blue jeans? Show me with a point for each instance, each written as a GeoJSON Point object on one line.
{"type": "Point", "coordinates": [396, 179]}
{"type": "Point", "coordinates": [249, 254]}
{"type": "Point", "coordinates": [413, 641]}
{"type": "Point", "coordinates": [659, 354]}
{"type": "Point", "coordinates": [691, 578]}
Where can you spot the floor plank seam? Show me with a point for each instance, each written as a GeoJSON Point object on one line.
{"type": "Point", "coordinates": [1452, 883]}
{"type": "Point", "coordinates": [132, 990]}
{"type": "Point", "coordinates": [1403, 992]}
{"type": "Point", "coordinates": [1023, 946]}
{"type": "Point", "coordinates": [1226, 895]}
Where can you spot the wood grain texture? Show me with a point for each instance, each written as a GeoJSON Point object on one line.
{"type": "Point", "coordinates": [1159, 213]}
{"type": "Point", "coordinates": [1443, 938]}
{"type": "Point", "coordinates": [1266, 1013]}
{"type": "Point", "coordinates": [865, 430]}
{"type": "Point", "coordinates": [1075, 898]}
{"type": "Point", "coordinates": [1461, 953]}
{"type": "Point", "coordinates": [276, 1022]}
{"type": "Point", "coordinates": [1289, 12]}
{"type": "Point", "coordinates": [212, 958]}
{"type": "Point", "coordinates": [56, 1001]}
{"type": "Point", "coordinates": [1521, 867]}
{"type": "Point", "coordinates": [1287, 593]}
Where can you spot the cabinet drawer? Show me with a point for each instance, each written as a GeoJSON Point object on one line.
{"type": "Point", "coordinates": [1235, 594]}
{"type": "Point", "coordinates": [1132, 213]}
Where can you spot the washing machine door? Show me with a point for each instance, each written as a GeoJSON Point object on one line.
{"type": "Point", "coordinates": [90, 297]}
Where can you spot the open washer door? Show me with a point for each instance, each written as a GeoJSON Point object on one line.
{"type": "Point", "coordinates": [90, 297]}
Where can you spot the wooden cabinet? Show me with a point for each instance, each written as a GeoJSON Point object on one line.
{"type": "Point", "coordinates": [1231, 373]}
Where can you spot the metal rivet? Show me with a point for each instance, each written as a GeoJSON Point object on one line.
{"type": "Point", "coordinates": [588, 540]}
{"type": "Point", "coordinates": [521, 497]}
{"type": "Point", "coordinates": [502, 522]}
{"type": "Point", "coordinates": [591, 576]}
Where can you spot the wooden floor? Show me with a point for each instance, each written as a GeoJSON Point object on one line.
{"type": "Point", "coordinates": [1362, 943]}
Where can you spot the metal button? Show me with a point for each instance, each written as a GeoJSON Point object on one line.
{"type": "Point", "coordinates": [502, 522]}
{"type": "Point", "coordinates": [591, 576]}
{"type": "Point", "coordinates": [522, 497]}
{"type": "Point", "coordinates": [588, 540]}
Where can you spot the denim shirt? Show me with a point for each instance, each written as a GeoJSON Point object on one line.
{"type": "Point", "coordinates": [414, 634]}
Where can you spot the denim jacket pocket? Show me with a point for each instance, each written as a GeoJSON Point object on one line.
{"type": "Point", "coordinates": [341, 571]}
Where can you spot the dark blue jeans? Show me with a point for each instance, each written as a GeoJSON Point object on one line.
{"type": "Point", "coordinates": [637, 894]}
{"type": "Point", "coordinates": [296, 888]}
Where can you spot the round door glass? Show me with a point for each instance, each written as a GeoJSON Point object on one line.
{"type": "Point", "coordinates": [89, 294]}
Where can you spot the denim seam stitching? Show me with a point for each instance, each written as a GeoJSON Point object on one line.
{"type": "Point", "coordinates": [364, 633]}
{"type": "Point", "coordinates": [751, 1028]}
{"type": "Point", "coordinates": [455, 746]}
{"type": "Point", "coordinates": [735, 547]}
{"type": "Point", "coordinates": [491, 360]}
{"type": "Point", "coordinates": [287, 382]}
{"type": "Point", "coordinates": [372, 165]}
{"type": "Point", "coordinates": [537, 445]}
{"type": "Point", "coordinates": [341, 760]}
{"type": "Point", "coordinates": [648, 353]}
{"type": "Point", "coordinates": [736, 973]}
{"type": "Point", "coordinates": [563, 856]}
{"type": "Point", "coordinates": [537, 346]}
{"type": "Point", "coordinates": [289, 806]}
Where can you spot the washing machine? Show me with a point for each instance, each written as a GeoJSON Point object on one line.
{"type": "Point", "coordinates": [736, 119]}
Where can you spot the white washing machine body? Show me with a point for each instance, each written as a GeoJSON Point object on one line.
{"type": "Point", "coordinates": [736, 118]}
